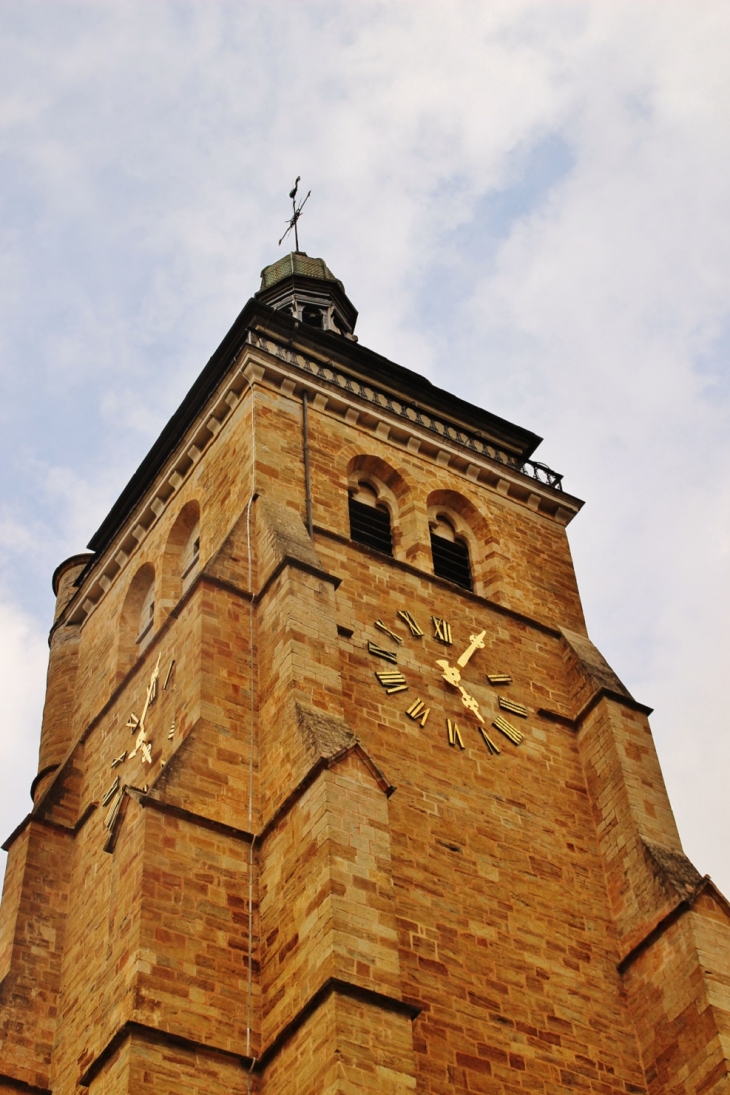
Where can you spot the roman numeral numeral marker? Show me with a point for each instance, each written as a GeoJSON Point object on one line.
{"type": "Point", "coordinates": [454, 734]}
{"type": "Point", "coordinates": [410, 622]}
{"type": "Point", "coordinates": [111, 792]}
{"type": "Point", "coordinates": [388, 655]}
{"type": "Point", "coordinates": [442, 630]}
{"type": "Point", "coordinates": [508, 730]}
{"type": "Point", "coordinates": [381, 627]}
{"type": "Point", "coordinates": [515, 708]}
{"type": "Point", "coordinates": [392, 681]}
{"type": "Point", "coordinates": [419, 712]}
{"type": "Point", "coordinates": [491, 747]}
{"type": "Point", "coordinates": [499, 678]}
{"type": "Point", "coordinates": [113, 811]}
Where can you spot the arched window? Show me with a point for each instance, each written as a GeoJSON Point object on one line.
{"type": "Point", "coordinates": [137, 622]}
{"type": "Point", "coordinates": [190, 555]}
{"type": "Point", "coordinates": [450, 553]}
{"type": "Point", "coordinates": [181, 558]}
{"type": "Point", "coordinates": [146, 621]}
{"type": "Point", "coordinates": [370, 519]}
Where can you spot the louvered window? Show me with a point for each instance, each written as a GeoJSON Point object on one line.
{"type": "Point", "coordinates": [451, 560]}
{"type": "Point", "coordinates": [370, 524]}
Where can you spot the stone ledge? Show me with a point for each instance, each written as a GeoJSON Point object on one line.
{"type": "Point", "coordinates": [251, 1064]}
{"type": "Point", "coordinates": [154, 1034]}
{"type": "Point", "coordinates": [72, 830]}
{"type": "Point", "coordinates": [321, 764]}
{"type": "Point", "coordinates": [22, 1085]}
{"type": "Point", "coordinates": [575, 722]}
{"type": "Point", "coordinates": [658, 930]}
{"type": "Point", "coordinates": [343, 988]}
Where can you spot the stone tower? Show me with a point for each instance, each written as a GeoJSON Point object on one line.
{"type": "Point", "coordinates": [334, 792]}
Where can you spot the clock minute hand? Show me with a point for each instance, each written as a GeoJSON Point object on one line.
{"type": "Point", "coordinates": [470, 703]}
{"type": "Point", "coordinates": [476, 643]}
{"type": "Point", "coordinates": [150, 690]}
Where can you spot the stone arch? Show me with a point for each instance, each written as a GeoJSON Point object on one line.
{"type": "Point", "coordinates": [181, 557]}
{"type": "Point", "coordinates": [137, 620]}
{"type": "Point", "coordinates": [392, 491]}
{"type": "Point", "coordinates": [471, 527]}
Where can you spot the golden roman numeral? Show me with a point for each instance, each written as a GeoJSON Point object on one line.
{"type": "Point", "coordinates": [492, 748]}
{"type": "Point", "coordinates": [508, 730]}
{"type": "Point", "coordinates": [111, 792]}
{"type": "Point", "coordinates": [515, 708]}
{"type": "Point", "coordinates": [119, 760]}
{"type": "Point", "coordinates": [169, 674]}
{"type": "Point", "coordinates": [111, 815]}
{"type": "Point", "coordinates": [499, 678]}
{"type": "Point", "coordinates": [419, 712]}
{"type": "Point", "coordinates": [410, 622]}
{"type": "Point", "coordinates": [389, 655]}
{"type": "Point", "coordinates": [392, 681]}
{"type": "Point", "coordinates": [454, 734]}
{"type": "Point", "coordinates": [442, 629]}
{"type": "Point", "coordinates": [381, 627]}
{"type": "Point", "coordinates": [132, 722]}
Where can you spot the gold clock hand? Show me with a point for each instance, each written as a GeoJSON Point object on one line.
{"type": "Point", "coordinates": [150, 691]}
{"type": "Point", "coordinates": [470, 703]}
{"type": "Point", "coordinates": [476, 643]}
{"type": "Point", "coordinates": [452, 675]}
{"type": "Point", "coordinates": [450, 672]}
{"type": "Point", "coordinates": [142, 745]}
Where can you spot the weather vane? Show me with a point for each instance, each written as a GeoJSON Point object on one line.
{"type": "Point", "coordinates": [296, 213]}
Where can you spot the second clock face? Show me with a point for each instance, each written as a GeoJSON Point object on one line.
{"type": "Point", "coordinates": [143, 755]}
{"type": "Point", "coordinates": [466, 714]}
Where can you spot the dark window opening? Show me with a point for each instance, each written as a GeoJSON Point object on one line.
{"type": "Point", "coordinates": [312, 316]}
{"type": "Point", "coordinates": [451, 560]}
{"type": "Point", "coordinates": [371, 525]}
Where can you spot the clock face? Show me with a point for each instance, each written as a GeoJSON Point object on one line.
{"type": "Point", "coordinates": [133, 764]}
{"type": "Point", "coordinates": [463, 714]}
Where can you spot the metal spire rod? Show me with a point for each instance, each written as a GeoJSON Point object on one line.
{"type": "Point", "coordinates": [296, 214]}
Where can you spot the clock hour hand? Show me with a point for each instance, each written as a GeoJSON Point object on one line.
{"type": "Point", "coordinates": [476, 643]}
{"type": "Point", "coordinates": [143, 746]}
{"type": "Point", "coordinates": [450, 672]}
{"type": "Point", "coordinates": [452, 675]}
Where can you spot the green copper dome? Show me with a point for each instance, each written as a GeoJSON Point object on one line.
{"type": "Point", "coordinates": [297, 263]}
{"type": "Point", "coordinates": [308, 291]}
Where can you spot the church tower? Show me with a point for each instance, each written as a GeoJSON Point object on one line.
{"type": "Point", "coordinates": [335, 794]}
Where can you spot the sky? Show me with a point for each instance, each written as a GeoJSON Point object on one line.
{"type": "Point", "coordinates": [528, 202]}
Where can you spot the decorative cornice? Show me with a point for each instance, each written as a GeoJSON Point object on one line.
{"type": "Point", "coordinates": [413, 414]}
{"type": "Point", "coordinates": [507, 470]}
